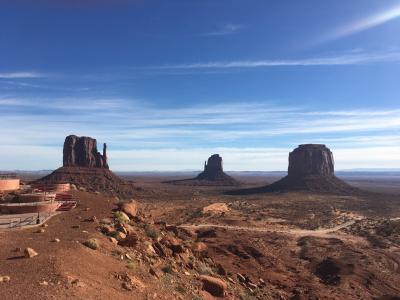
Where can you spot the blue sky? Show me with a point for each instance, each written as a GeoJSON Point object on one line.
{"type": "Point", "coordinates": [167, 83]}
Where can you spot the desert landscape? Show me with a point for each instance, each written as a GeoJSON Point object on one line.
{"type": "Point", "coordinates": [179, 239]}
{"type": "Point", "coordinates": [199, 150]}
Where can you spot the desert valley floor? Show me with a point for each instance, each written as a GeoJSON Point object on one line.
{"type": "Point", "coordinates": [295, 245]}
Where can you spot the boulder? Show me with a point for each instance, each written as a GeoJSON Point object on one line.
{"type": "Point", "coordinates": [199, 247]}
{"type": "Point", "coordinates": [130, 241]}
{"type": "Point", "coordinates": [130, 208]}
{"type": "Point", "coordinates": [5, 278]}
{"type": "Point", "coordinates": [172, 243]}
{"type": "Point", "coordinates": [29, 253]}
{"type": "Point", "coordinates": [214, 286]}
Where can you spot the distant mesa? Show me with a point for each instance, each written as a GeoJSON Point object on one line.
{"type": "Point", "coordinates": [311, 168]}
{"type": "Point", "coordinates": [85, 167]}
{"type": "Point", "coordinates": [213, 175]}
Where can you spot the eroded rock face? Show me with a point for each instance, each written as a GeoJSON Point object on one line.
{"type": "Point", "coordinates": [214, 164]}
{"type": "Point", "coordinates": [82, 152]}
{"type": "Point", "coordinates": [311, 159]}
{"type": "Point", "coordinates": [212, 168]}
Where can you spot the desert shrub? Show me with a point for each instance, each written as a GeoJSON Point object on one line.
{"type": "Point", "coordinates": [120, 217]}
{"type": "Point", "coordinates": [92, 244]}
{"type": "Point", "coordinates": [246, 296]}
{"type": "Point", "coordinates": [196, 214]}
{"type": "Point", "coordinates": [196, 297]}
{"type": "Point", "coordinates": [204, 269]}
{"type": "Point", "coordinates": [130, 265]}
{"type": "Point", "coordinates": [118, 252]}
{"type": "Point", "coordinates": [166, 281]}
{"type": "Point", "coordinates": [180, 289]}
{"type": "Point", "coordinates": [167, 269]}
{"type": "Point", "coordinates": [150, 232]}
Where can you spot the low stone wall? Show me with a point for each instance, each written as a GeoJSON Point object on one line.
{"type": "Point", "coordinates": [37, 197]}
{"type": "Point", "coordinates": [10, 184]}
{"type": "Point", "coordinates": [53, 187]}
{"type": "Point", "coordinates": [12, 208]}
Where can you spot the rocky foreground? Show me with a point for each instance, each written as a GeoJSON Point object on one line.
{"type": "Point", "coordinates": [292, 246]}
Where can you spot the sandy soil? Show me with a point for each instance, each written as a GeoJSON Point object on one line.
{"type": "Point", "coordinates": [304, 246]}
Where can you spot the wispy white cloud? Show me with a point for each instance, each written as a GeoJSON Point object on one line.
{"type": "Point", "coordinates": [362, 24]}
{"type": "Point", "coordinates": [20, 75]}
{"type": "Point", "coordinates": [226, 29]}
{"type": "Point", "coordinates": [135, 130]}
{"type": "Point", "coordinates": [346, 59]}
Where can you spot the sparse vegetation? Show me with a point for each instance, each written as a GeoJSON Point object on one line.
{"type": "Point", "coordinates": [130, 265]}
{"type": "Point", "coordinates": [180, 289]}
{"type": "Point", "coordinates": [92, 244]}
{"type": "Point", "coordinates": [150, 232]}
{"type": "Point", "coordinates": [245, 295]}
{"type": "Point", "coordinates": [119, 216]}
{"type": "Point", "coordinates": [167, 269]}
{"type": "Point", "coordinates": [204, 269]}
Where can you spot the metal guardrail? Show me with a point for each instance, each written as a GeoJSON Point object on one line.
{"type": "Point", "coordinates": [27, 203]}
{"type": "Point", "coordinates": [18, 222]}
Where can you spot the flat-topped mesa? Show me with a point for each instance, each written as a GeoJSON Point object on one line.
{"type": "Point", "coordinates": [311, 168]}
{"type": "Point", "coordinates": [82, 152]}
{"type": "Point", "coordinates": [311, 159]}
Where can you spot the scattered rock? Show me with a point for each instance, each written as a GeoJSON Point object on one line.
{"type": "Point", "coordinates": [221, 270]}
{"type": "Point", "coordinates": [213, 285]}
{"type": "Point", "coordinates": [127, 286]}
{"type": "Point", "coordinates": [119, 235]}
{"type": "Point", "coordinates": [29, 253]}
{"type": "Point", "coordinates": [5, 278]}
{"type": "Point", "coordinates": [199, 247]}
{"type": "Point", "coordinates": [241, 278]}
{"type": "Point", "coordinates": [206, 296]}
{"type": "Point", "coordinates": [130, 208]}
{"type": "Point", "coordinates": [130, 241]}
{"type": "Point", "coordinates": [106, 229]}
{"type": "Point", "coordinates": [113, 240]}
{"type": "Point", "coordinates": [91, 219]}
{"type": "Point", "coordinates": [215, 208]}
{"type": "Point", "coordinates": [174, 244]}
{"type": "Point", "coordinates": [56, 240]}
{"type": "Point", "coordinates": [106, 221]}
{"type": "Point", "coordinates": [155, 272]}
